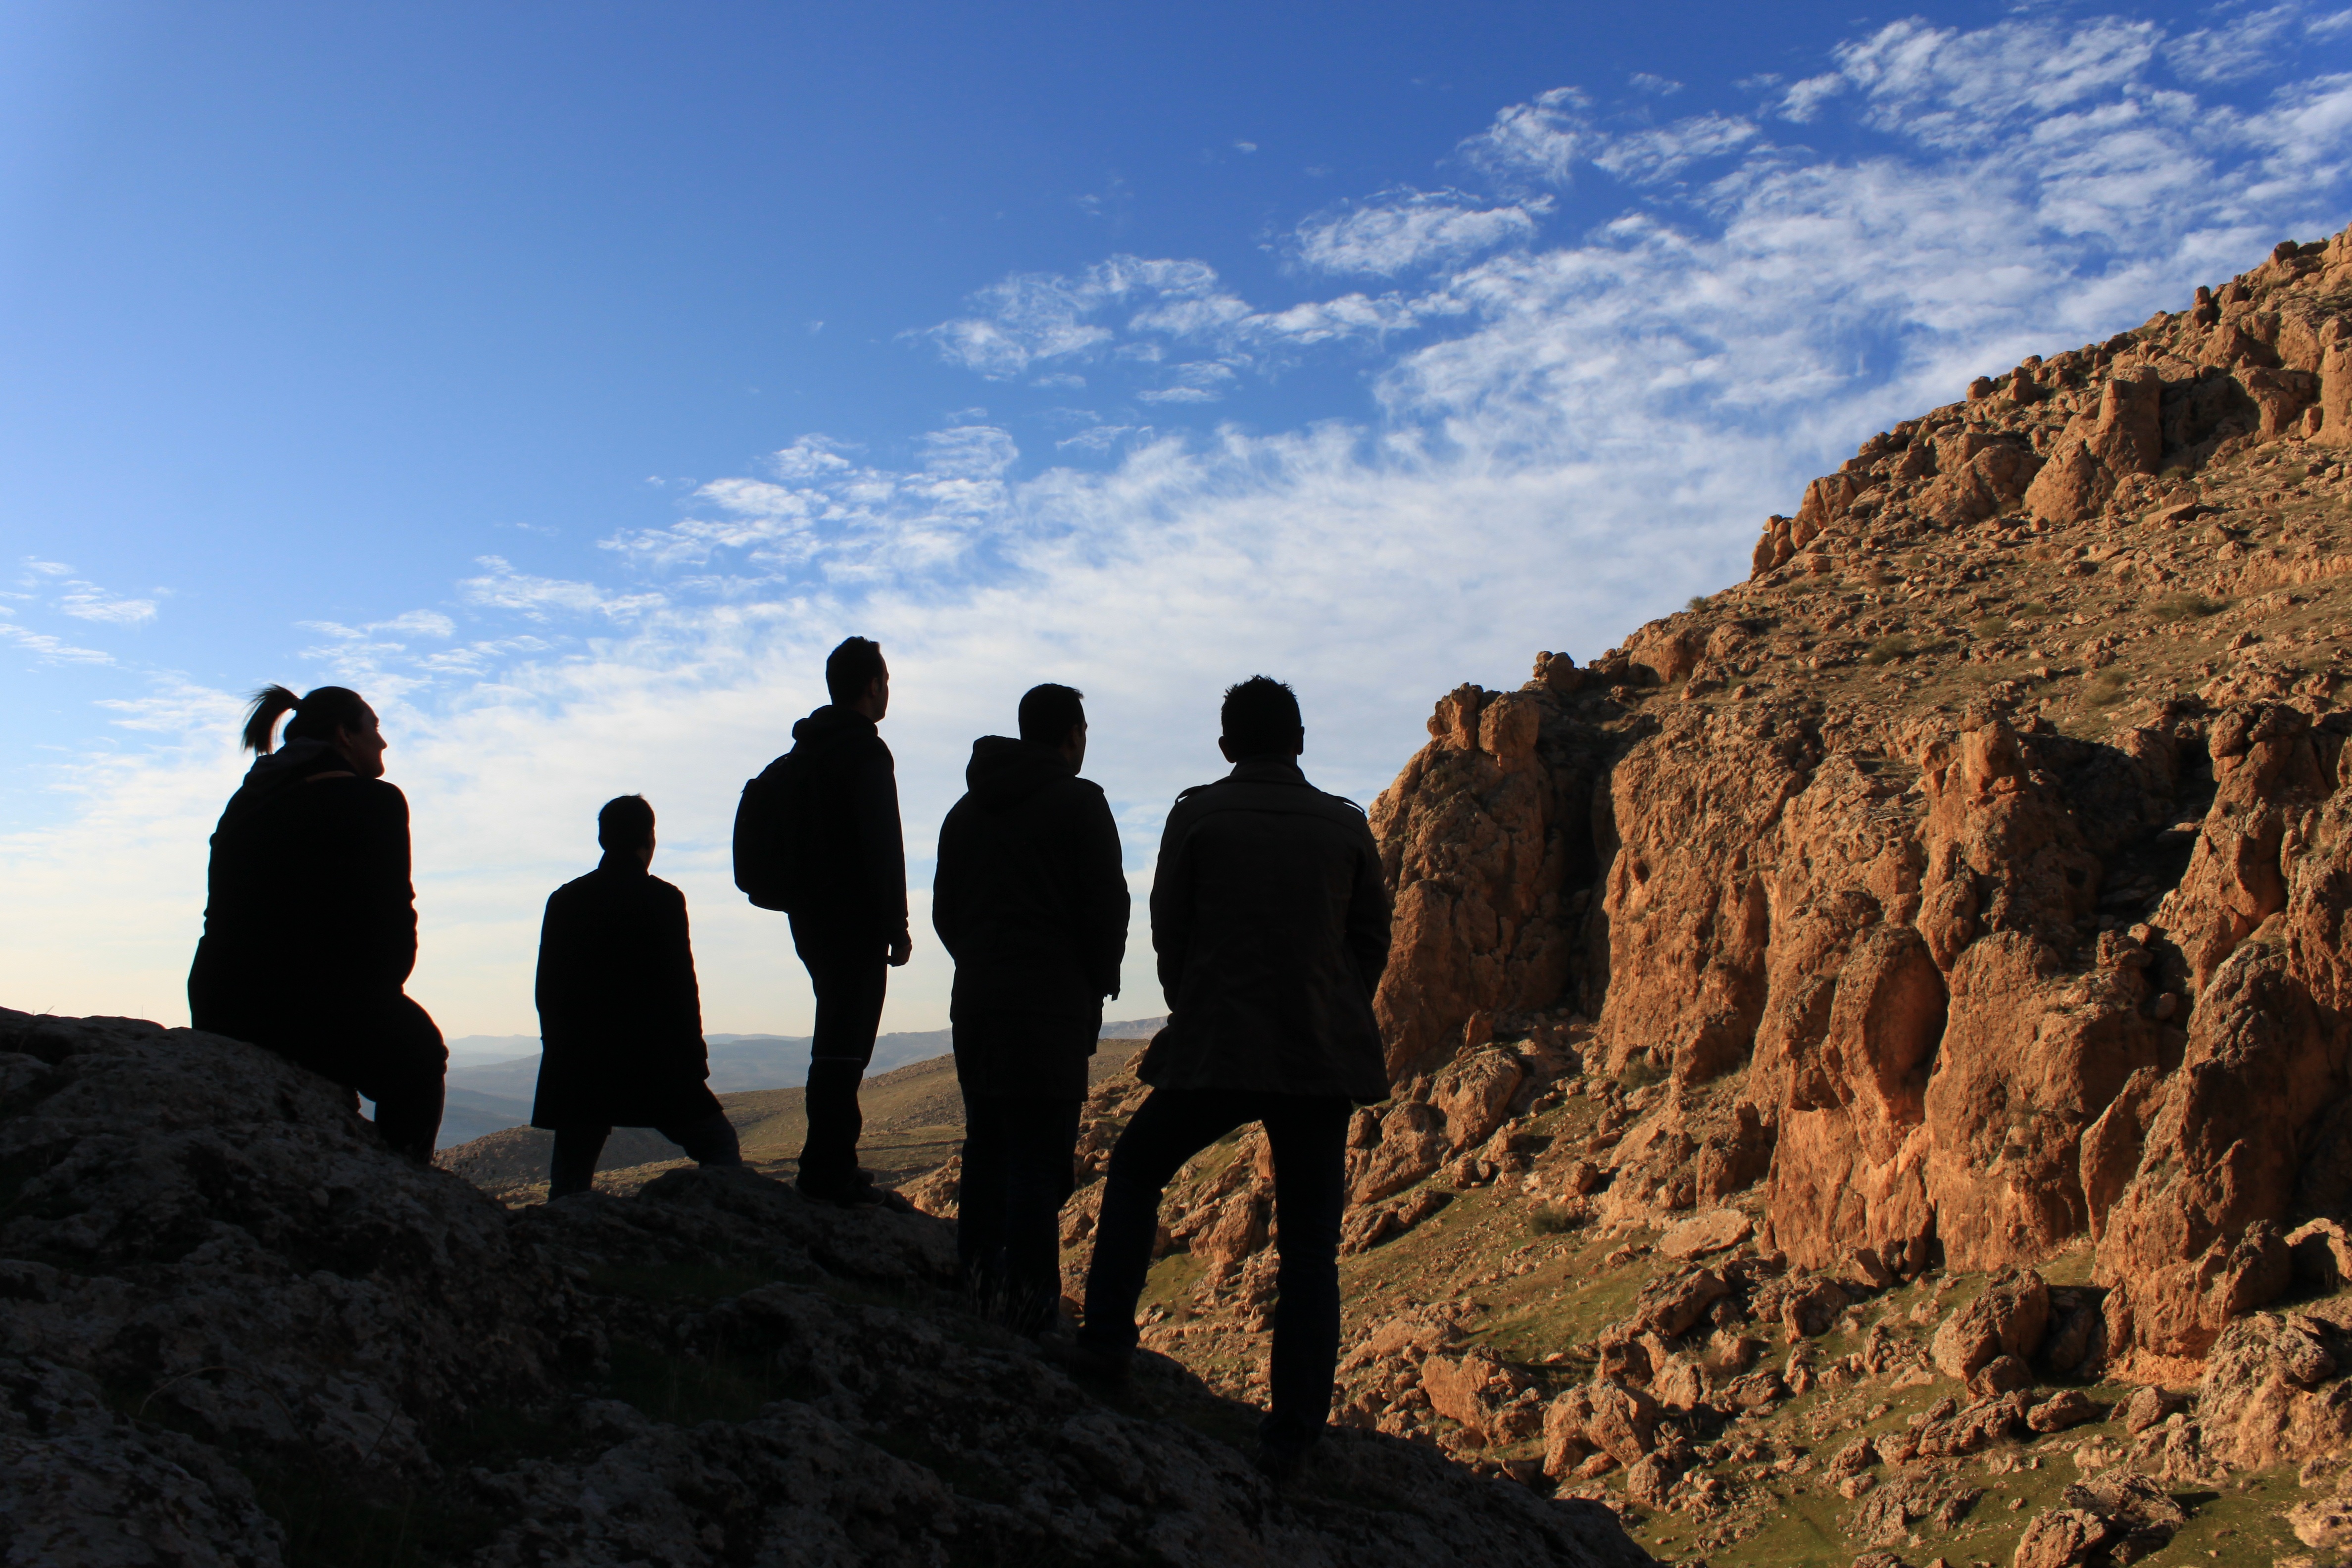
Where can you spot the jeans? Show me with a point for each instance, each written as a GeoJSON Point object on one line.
{"type": "Point", "coordinates": [850, 979]}
{"type": "Point", "coordinates": [708, 1141]}
{"type": "Point", "coordinates": [1310, 1136]}
{"type": "Point", "coordinates": [1017, 1155]}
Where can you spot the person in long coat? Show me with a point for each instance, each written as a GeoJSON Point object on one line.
{"type": "Point", "coordinates": [310, 919]}
{"type": "Point", "coordinates": [620, 1015]}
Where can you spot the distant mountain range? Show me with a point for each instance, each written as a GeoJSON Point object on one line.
{"type": "Point", "coordinates": [493, 1076]}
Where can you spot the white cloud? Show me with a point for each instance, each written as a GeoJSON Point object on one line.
{"type": "Point", "coordinates": [1400, 230]}
{"type": "Point", "coordinates": [48, 649]}
{"type": "Point", "coordinates": [47, 568]}
{"type": "Point", "coordinates": [1663, 87]}
{"type": "Point", "coordinates": [88, 602]}
{"type": "Point", "coordinates": [1578, 434]}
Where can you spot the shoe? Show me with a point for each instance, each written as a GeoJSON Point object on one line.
{"type": "Point", "coordinates": [1282, 1452]}
{"type": "Point", "coordinates": [1088, 1362]}
{"type": "Point", "coordinates": [856, 1190]}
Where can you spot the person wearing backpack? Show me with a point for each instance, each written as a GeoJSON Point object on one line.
{"type": "Point", "coordinates": [620, 1015]}
{"type": "Point", "coordinates": [817, 836]}
{"type": "Point", "coordinates": [1030, 902]}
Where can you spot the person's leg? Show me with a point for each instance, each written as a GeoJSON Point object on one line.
{"type": "Point", "coordinates": [403, 1065]}
{"type": "Point", "coordinates": [708, 1139]}
{"type": "Point", "coordinates": [849, 983]}
{"type": "Point", "coordinates": [979, 1198]}
{"type": "Point", "coordinates": [1309, 1138]}
{"type": "Point", "coordinates": [1042, 1138]}
{"type": "Point", "coordinates": [1172, 1126]}
{"type": "Point", "coordinates": [573, 1167]}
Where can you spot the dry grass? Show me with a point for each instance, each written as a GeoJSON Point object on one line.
{"type": "Point", "coordinates": [2186, 606]}
{"type": "Point", "coordinates": [1890, 648]}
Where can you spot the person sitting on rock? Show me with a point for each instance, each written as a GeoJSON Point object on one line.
{"type": "Point", "coordinates": [1030, 902]}
{"type": "Point", "coordinates": [309, 916]}
{"type": "Point", "coordinates": [1271, 924]}
{"type": "Point", "coordinates": [620, 1017]}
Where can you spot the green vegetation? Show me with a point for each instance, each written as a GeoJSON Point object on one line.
{"type": "Point", "coordinates": [1698, 603]}
{"type": "Point", "coordinates": [1642, 1070]}
{"type": "Point", "coordinates": [2107, 687]}
{"type": "Point", "coordinates": [1554, 1219]}
{"type": "Point", "coordinates": [2177, 472]}
{"type": "Point", "coordinates": [1890, 648]}
{"type": "Point", "coordinates": [2186, 606]}
{"type": "Point", "coordinates": [1988, 626]}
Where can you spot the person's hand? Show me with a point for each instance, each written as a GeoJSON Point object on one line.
{"type": "Point", "coordinates": [902, 948]}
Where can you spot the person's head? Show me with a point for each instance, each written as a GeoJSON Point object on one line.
{"type": "Point", "coordinates": [1056, 716]}
{"type": "Point", "coordinates": [626, 826]}
{"type": "Point", "coordinates": [1260, 719]}
{"type": "Point", "coordinates": [856, 677]}
{"type": "Point", "coordinates": [334, 714]}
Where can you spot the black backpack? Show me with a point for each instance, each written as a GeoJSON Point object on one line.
{"type": "Point", "coordinates": [770, 832]}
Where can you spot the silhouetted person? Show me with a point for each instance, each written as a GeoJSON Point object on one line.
{"type": "Point", "coordinates": [849, 905]}
{"type": "Point", "coordinates": [1030, 902]}
{"type": "Point", "coordinates": [310, 920]}
{"type": "Point", "coordinates": [1271, 924]}
{"type": "Point", "coordinates": [620, 1017]}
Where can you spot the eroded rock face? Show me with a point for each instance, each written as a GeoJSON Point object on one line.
{"type": "Point", "coordinates": [1954, 984]}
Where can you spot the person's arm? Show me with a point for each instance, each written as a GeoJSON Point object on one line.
{"type": "Point", "coordinates": [949, 880]}
{"type": "Point", "coordinates": [1171, 901]}
{"type": "Point", "coordinates": [1104, 904]}
{"type": "Point", "coordinates": [684, 995]}
{"type": "Point", "coordinates": [882, 846]}
{"type": "Point", "coordinates": [384, 894]}
{"type": "Point", "coordinates": [1368, 914]}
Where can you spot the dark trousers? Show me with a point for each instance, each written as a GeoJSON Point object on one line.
{"type": "Point", "coordinates": [1017, 1155]}
{"type": "Point", "coordinates": [707, 1139]}
{"type": "Point", "coordinates": [850, 979]}
{"type": "Point", "coordinates": [1309, 1135]}
{"type": "Point", "coordinates": [389, 1050]}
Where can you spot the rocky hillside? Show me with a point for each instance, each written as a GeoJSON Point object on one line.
{"type": "Point", "coordinates": [234, 1330]}
{"type": "Point", "coordinates": [1880, 1033]}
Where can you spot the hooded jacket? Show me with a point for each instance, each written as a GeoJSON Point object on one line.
{"type": "Point", "coordinates": [308, 907]}
{"type": "Point", "coordinates": [1271, 923]}
{"type": "Point", "coordinates": [856, 853]}
{"type": "Point", "coordinates": [1030, 899]}
{"type": "Point", "coordinates": [620, 1017]}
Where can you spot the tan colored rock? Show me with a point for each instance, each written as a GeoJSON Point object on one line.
{"type": "Point", "coordinates": [1412, 1142]}
{"type": "Point", "coordinates": [2272, 1392]}
{"type": "Point", "coordinates": [2007, 1319]}
{"type": "Point", "coordinates": [2066, 1408]}
{"type": "Point", "coordinates": [1620, 1421]}
{"type": "Point", "coordinates": [1473, 1093]}
{"type": "Point", "coordinates": [1714, 1231]}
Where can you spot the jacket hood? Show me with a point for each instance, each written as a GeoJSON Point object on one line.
{"type": "Point", "coordinates": [830, 722]}
{"type": "Point", "coordinates": [1004, 771]}
{"type": "Point", "coordinates": [272, 775]}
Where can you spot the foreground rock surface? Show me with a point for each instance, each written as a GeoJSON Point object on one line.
{"type": "Point", "coordinates": [233, 1326]}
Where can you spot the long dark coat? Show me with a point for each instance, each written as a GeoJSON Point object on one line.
{"type": "Point", "coordinates": [620, 1017]}
{"type": "Point", "coordinates": [1031, 901]}
{"type": "Point", "coordinates": [310, 919]}
{"type": "Point", "coordinates": [1271, 923]}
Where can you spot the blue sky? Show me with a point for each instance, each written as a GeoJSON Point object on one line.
{"type": "Point", "coordinates": [569, 377]}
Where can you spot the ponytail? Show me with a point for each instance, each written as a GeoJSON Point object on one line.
{"type": "Point", "coordinates": [317, 717]}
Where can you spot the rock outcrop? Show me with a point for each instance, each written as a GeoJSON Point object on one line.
{"type": "Point", "coordinates": [1973, 878]}
{"type": "Point", "coordinates": [234, 1325]}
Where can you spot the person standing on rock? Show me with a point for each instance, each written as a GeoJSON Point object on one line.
{"type": "Point", "coordinates": [310, 919]}
{"type": "Point", "coordinates": [819, 838]}
{"type": "Point", "coordinates": [620, 1015]}
{"type": "Point", "coordinates": [1031, 901]}
{"type": "Point", "coordinates": [1271, 924]}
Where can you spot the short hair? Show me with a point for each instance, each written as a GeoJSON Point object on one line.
{"type": "Point", "coordinates": [626, 823]}
{"type": "Point", "coordinates": [1261, 716]}
{"type": "Point", "coordinates": [1049, 712]}
{"type": "Point", "coordinates": [850, 669]}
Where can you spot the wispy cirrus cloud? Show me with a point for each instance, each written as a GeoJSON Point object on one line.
{"type": "Point", "coordinates": [1402, 230]}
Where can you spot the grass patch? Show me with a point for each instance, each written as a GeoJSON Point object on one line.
{"type": "Point", "coordinates": [2187, 607]}
{"type": "Point", "coordinates": [1890, 648]}
{"type": "Point", "coordinates": [1698, 603]}
{"type": "Point", "coordinates": [2032, 607]}
{"type": "Point", "coordinates": [1554, 1219]}
{"type": "Point", "coordinates": [2106, 688]}
{"type": "Point", "coordinates": [1642, 1070]}
{"type": "Point", "coordinates": [1988, 626]}
{"type": "Point", "coordinates": [2177, 472]}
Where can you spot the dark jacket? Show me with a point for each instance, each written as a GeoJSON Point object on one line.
{"type": "Point", "coordinates": [856, 856]}
{"type": "Point", "coordinates": [1030, 899]}
{"type": "Point", "coordinates": [1271, 923]}
{"type": "Point", "coordinates": [308, 911]}
{"type": "Point", "coordinates": [620, 1017]}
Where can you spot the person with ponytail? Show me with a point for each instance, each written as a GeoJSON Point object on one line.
{"type": "Point", "coordinates": [309, 916]}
